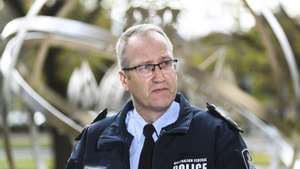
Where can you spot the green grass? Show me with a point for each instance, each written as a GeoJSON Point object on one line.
{"type": "Point", "coordinates": [261, 158]}
{"type": "Point", "coordinates": [20, 141]}
{"type": "Point", "coordinates": [26, 164]}
{"type": "Point", "coordinates": [258, 158]}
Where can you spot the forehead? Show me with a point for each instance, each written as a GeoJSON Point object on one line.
{"type": "Point", "coordinates": [146, 42]}
{"type": "Point", "coordinates": [149, 36]}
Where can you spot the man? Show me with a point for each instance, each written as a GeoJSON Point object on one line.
{"type": "Point", "coordinates": [157, 128]}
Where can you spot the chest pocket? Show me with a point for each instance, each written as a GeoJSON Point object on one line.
{"type": "Point", "coordinates": [190, 160]}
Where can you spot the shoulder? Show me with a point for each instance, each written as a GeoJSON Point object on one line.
{"type": "Point", "coordinates": [214, 117]}
{"type": "Point", "coordinates": [88, 136]}
{"type": "Point", "coordinates": [100, 123]}
{"type": "Point", "coordinates": [220, 113]}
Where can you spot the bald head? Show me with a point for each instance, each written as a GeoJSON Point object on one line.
{"type": "Point", "coordinates": [137, 31]}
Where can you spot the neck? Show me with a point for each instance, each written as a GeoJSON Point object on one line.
{"type": "Point", "coordinates": [150, 115]}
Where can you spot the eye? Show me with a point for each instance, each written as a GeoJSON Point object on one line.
{"type": "Point", "coordinates": [166, 63]}
{"type": "Point", "coordinates": [145, 68]}
{"type": "Point", "coordinates": [148, 67]}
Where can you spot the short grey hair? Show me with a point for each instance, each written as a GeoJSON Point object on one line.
{"type": "Point", "coordinates": [134, 30]}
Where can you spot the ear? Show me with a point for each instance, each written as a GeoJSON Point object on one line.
{"type": "Point", "coordinates": [124, 79]}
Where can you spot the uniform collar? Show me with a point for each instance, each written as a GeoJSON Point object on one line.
{"type": "Point", "coordinates": [181, 126]}
{"type": "Point", "coordinates": [117, 131]}
{"type": "Point", "coordinates": [135, 122]}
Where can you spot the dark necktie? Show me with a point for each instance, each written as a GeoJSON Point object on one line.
{"type": "Point", "coordinates": [147, 151]}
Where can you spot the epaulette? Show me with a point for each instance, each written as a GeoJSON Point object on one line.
{"type": "Point", "coordinates": [215, 111]}
{"type": "Point", "coordinates": [78, 137]}
{"type": "Point", "coordinates": [101, 115]}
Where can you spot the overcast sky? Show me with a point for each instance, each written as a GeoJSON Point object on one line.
{"type": "Point", "coordinates": [200, 17]}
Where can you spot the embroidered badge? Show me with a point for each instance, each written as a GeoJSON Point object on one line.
{"type": "Point", "coordinates": [247, 159]}
{"type": "Point", "coordinates": [191, 163]}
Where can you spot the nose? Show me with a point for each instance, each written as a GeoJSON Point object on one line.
{"type": "Point", "coordinates": [154, 67]}
{"type": "Point", "coordinates": [158, 75]}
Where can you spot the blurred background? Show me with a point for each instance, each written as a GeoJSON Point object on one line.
{"type": "Point", "coordinates": [58, 70]}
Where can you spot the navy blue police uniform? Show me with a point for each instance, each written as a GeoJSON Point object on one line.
{"type": "Point", "coordinates": [197, 140]}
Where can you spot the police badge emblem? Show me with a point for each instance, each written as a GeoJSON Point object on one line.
{"type": "Point", "coordinates": [247, 159]}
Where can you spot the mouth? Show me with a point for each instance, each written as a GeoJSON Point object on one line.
{"type": "Point", "coordinates": [159, 90]}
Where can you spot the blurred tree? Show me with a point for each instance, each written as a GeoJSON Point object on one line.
{"type": "Point", "coordinates": [255, 57]}
{"type": "Point", "coordinates": [17, 6]}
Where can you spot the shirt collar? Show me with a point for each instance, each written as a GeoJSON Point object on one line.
{"type": "Point", "coordinates": [118, 130]}
{"type": "Point", "coordinates": [169, 117]}
{"type": "Point", "coordinates": [135, 122]}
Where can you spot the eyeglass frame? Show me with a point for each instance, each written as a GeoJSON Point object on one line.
{"type": "Point", "coordinates": [172, 61]}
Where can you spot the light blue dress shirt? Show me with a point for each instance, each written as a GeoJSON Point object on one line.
{"type": "Point", "coordinates": [135, 125]}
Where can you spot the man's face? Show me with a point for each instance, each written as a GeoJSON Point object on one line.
{"type": "Point", "coordinates": [157, 91]}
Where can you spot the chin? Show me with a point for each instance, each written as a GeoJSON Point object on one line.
{"type": "Point", "coordinates": [162, 99]}
{"type": "Point", "coordinates": [162, 104]}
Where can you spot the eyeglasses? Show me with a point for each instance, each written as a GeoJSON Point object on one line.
{"type": "Point", "coordinates": [148, 69]}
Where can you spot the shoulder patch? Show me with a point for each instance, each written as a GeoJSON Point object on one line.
{"type": "Point", "coordinates": [247, 159]}
{"type": "Point", "coordinates": [215, 111]}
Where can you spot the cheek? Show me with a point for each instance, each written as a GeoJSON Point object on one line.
{"type": "Point", "coordinates": [175, 77]}
{"type": "Point", "coordinates": [146, 86]}
{"type": "Point", "coordinates": [172, 79]}
{"type": "Point", "coordinates": [140, 87]}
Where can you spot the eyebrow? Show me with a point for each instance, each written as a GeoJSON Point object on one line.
{"type": "Point", "coordinates": [145, 62]}
{"type": "Point", "coordinates": [166, 57]}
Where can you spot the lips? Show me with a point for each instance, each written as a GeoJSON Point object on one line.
{"type": "Point", "coordinates": [160, 90]}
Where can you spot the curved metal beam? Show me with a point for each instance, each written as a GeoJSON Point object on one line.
{"type": "Point", "coordinates": [78, 35]}
{"type": "Point", "coordinates": [36, 7]}
{"type": "Point", "coordinates": [54, 40]}
{"type": "Point", "coordinates": [34, 100]}
{"type": "Point", "coordinates": [284, 44]}
{"type": "Point", "coordinates": [38, 103]}
{"type": "Point", "coordinates": [60, 26]}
